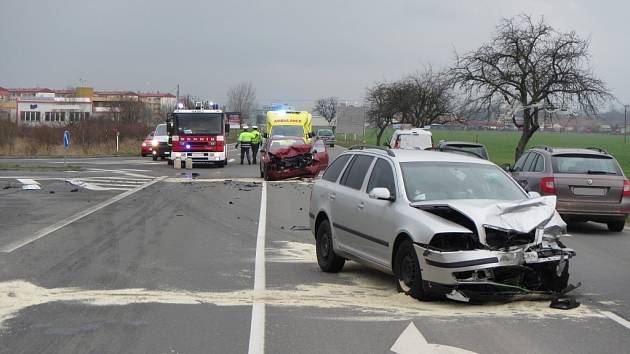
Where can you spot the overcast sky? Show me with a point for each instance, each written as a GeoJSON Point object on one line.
{"type": "Point", "coordinates": [292, 51]}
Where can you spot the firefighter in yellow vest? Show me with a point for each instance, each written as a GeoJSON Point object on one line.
{"type": "Point", "coordinates": [255, 142]}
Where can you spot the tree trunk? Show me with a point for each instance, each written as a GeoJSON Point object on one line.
{"type": "Point", "coordinates": [522, 142]}
{"type": "Point", "coordinates": [379, 135]}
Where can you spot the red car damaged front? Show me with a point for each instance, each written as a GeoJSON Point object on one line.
{"type": "Point", "coordinates": [287, 157]}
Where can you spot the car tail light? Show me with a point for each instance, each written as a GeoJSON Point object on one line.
{"type": "Point", "coordinates": [547, 185]}
{"type": "Point", "coordinates": [220, 138]}
{"type": "Point", "coordinates": [175, 138]}
{"type": "Point", "coordinates": [626, 188]}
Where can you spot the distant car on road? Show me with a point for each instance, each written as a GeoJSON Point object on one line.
{"type": "Point", "coordinates": [464, 148]}
{"type": "Point", "coordinates": [443, 224]}
{"type": "Point", "coordinates": [589, 184]}
{"type": "Point", "coordinates": [416, 138]}
{"type": "Point", "coordinates": [160, 145]}
{"type": "Point", "coordinates": [286, 157]}
{"type": "Point", "coordinates": [146, 148]}
{"type": "Point", "coordinates": [327, 136]}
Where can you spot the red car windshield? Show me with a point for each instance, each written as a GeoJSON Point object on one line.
{"type": "Point", "coordinates": [275, 145]}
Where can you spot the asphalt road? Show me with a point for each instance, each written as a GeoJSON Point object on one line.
{"type": "Point", "coordinates": [166, 261]}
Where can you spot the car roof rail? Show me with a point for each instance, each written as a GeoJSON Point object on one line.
{"type": "Point", "coordinates": [598, 149]}
{"type": "Point", "coordinates": [381, 148]}
{"type": "Point", "coordinates": [544, 147]}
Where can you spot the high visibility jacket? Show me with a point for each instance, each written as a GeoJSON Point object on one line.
{"type": "Point", "coordinates": [245, 137]}
{"type": "Point", "coordinates": [256, 137]}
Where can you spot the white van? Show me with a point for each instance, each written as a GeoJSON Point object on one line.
{"type": "Point", "coordinates": [416, 138]}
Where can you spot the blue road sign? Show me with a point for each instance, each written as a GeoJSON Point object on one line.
{"type": "Point", "coordinates": [66, 139]}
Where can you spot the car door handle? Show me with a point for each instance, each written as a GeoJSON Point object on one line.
{"type": "Point", "coordinates": [361, 205]}
{"type": "Point", "coordinates": [332, 196]}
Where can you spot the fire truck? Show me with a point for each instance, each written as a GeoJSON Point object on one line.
{"type": "Point", "coordinates": [198, 134]}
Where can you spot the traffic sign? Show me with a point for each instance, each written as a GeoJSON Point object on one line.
{"type": "Point", "coordinates": [66, 139]}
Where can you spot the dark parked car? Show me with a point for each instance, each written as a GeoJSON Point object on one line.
{"type": "Point", "coordinates": [286, 157]}
{"type": "Point", "coordinates": [464, 148]}
{"type": "Point", "coordinates": [589, 184]}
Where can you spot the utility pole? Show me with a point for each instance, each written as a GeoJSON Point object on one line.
{"type": "Point", "coordinates": [625, 123]}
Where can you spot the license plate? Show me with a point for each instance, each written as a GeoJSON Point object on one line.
{"type": "Point", "coordinates": [595, 192]}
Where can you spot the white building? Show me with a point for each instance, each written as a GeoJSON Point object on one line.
{"type": "Point", "coordinates": [46, 109]}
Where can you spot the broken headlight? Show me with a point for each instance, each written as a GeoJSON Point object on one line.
{"type": "Point", "coordinates": [454, 241]}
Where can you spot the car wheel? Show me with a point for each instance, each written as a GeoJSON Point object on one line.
{"type": "Point", "coordinates": [327, 259]}
{"type": "Point", "coordinates": [407, 271]}
{"type": "Point", "coordinates": [169, 162]}
{"type": "Point", "coordinates": [262, 172]}
{"type": "Point", "coordinates": [616, 226]}
{"type": "Point", "coordinates": [154, 157]}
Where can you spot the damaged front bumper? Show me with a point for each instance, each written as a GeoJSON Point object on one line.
{"type": "Point", "coordinates": [294, 166]}
{"type": "Point", "coordinates": [486, 275]}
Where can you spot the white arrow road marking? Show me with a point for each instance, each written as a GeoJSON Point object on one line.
{"type": "Point", "coordinates": [29, 183]}
{"type": "Point", "coordinates": [108, 183]}
{"type": "Point", "coordinates": [63, 223]}
{"type": "Point", "coordinates": [411, 341]}
{"type": "Point", "coordinates": [123, 172]}
{"type": "Point", "coordinates": [257, 330]}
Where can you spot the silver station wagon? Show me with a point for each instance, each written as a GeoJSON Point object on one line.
{"type": "Point", "coordinates": [444, 224]}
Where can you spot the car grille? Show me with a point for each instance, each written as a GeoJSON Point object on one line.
{"type": "Point", "coordinates": [497, 239]}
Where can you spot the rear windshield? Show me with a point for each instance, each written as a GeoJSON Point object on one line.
{"type": "Point", "coordinates": [324, 132]}
{"type": "Point", "coordinates": [476, 149]}
{"type": "Point", "coordinates": [585, 164]}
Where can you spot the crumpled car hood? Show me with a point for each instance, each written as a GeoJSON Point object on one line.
{"type": "Point", "coordinates": [522, 216]}
{"type": "Point", "coordinates": [291, 151]}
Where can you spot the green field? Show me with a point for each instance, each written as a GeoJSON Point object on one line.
{"type": "Point", "coordinates": [501, 144]}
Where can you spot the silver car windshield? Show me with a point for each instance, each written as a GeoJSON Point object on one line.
{"type": "Point", "coordinates": [432, 180]}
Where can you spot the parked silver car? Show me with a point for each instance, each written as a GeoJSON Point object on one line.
{"type": "Point", "coordinates": [442, 223]}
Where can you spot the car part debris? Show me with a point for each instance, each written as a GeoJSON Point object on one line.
{"type": "Point", "coordinates": [564, 303]}
{"type": "Point", "coordinates": [300, 228]}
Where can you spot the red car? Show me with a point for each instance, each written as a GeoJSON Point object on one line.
{"type": "Point", "coordinates": [146, 148]}
{"type": "Point", "coordinates": [286, 157]}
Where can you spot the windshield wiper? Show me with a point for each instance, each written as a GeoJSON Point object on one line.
{"type": "Point", "coordinates": [597, 172]}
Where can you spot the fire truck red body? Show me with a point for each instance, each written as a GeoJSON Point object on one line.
{"type": "Point", "coordinates": [199, 134]}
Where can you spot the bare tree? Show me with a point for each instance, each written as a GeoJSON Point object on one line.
{"type": "Point", "coordinates": [327, 107]}
{"type": "Point", "coordinates": [241, 99]}
{"type": "Point", "coordinates": [530, 65]}
{"type": "Point", "coordinates": [381, 108]}
{"type": "Point", "coordinates": [424, 98]}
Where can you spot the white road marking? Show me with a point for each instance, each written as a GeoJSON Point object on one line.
{"type": "Point", "coordinates": [108, 183]}
{"type": "Point", "coordinates": [231, 160]}
{"type": "Point", "coordinates": [27, 181]}
{"type": "Point", "coordinates": [412, 341]}
{"type": "Point", "coordinates": [29, 184]}
{"type": "Point", "coordinates": [257, 330]}
{"type": "Point", "coordinates": [620, 320]}
{"type": "Point", "coordinates": [67, 221]}
{"type": "Point", "coordinates": [122, 172]}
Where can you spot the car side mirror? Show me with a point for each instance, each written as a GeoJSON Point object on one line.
{"type": "Point", "coordinates": [533, 194]}
{"type": "Point", "coordinates": [380, 193]}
